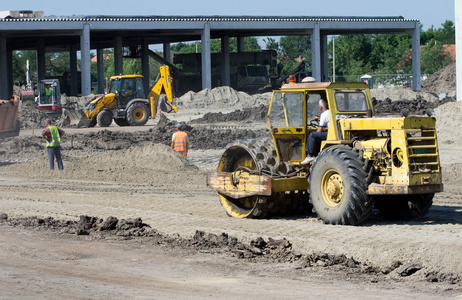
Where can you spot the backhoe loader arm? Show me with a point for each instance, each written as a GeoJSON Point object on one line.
{"type": "Point", "coordinates": [165, 81]}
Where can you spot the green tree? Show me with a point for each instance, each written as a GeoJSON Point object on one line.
{"type": "Point", "coordinates": [447, 34]}
{"type": "Point", "coordinates": [272, 44]}
{"type": "Point", "coordinates": [434, 57]}
{"type": "Point", "coordinates": [295, 46]}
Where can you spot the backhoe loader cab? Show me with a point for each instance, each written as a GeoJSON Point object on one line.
{"type": "Point", "coordinates": [389, 163]}
{"type": "Point", "coordinates": [126, 102]}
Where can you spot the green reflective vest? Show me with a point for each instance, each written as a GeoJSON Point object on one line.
{"type": "Point", "coordinates": [55, 139]}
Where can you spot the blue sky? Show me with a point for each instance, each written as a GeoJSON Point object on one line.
{"type": "Point", "coordinates": [429, 12]}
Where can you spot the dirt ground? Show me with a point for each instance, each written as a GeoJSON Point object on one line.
{"type": "Point", "coordinates": [130, 218]}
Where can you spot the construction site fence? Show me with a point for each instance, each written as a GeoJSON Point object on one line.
{"type": "Point", "coordinates": [379, 80]}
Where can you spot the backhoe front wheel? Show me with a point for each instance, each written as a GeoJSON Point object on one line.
{"type": "Point", "coordinates": [337, 187]}
{"type": "Point", "coordinates": [104, 118]}
{"type": "Point", "coordinates": [137, 114]}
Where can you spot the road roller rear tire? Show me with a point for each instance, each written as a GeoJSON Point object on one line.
{"type": "Point", "coordinates": [337, 187]}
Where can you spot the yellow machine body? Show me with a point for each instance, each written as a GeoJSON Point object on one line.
{"type": "Point", "coordinates": [363, 155]}
{"type": "Point", "coordinates": [119, 101]}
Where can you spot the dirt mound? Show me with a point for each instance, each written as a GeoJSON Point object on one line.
{"type": "Point", "coordinates": [30, 116]}
{"type": "Point", "coordinates": [257, 250]}
{"type": "Point", "coordinates": [443, 81]}
{"type": "Point", "coordinates": [258, 113]}
{"type": "Point", "coordinates": [81, 101]}
{"type": "Point", "coordinates": [400, 93]}
{"type": "Point", "coordinates": [221, 97]}
{"type": "Point", "coordinates": [449, 118]}
{"type": "Point", "coordinates": [152, 164]}
{"type": "Point", "coordinates": [414, 107]}
{"type": "Point", "coordinates": [203, 138]}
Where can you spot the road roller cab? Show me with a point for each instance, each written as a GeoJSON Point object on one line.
{"type": "Point", "coordinates": [391, 163]}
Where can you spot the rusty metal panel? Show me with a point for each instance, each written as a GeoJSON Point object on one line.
{"type": "Point", "coordinates": [289, 184]}
{"type": "Point", "coordinates": [244, 186]}
{"type": "Point", "coordinates": [382, 189]}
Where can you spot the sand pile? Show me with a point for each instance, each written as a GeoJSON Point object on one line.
{"type": "Point", "coordinates": [448, 120]}
{"type": "Point", "coordinates": [221, 97]}
{"type": "Point", "coordinates": [443, 81]}
{"type": "Point", "coordinates": [30, 116]}
{"type": "Point", "coordinates": [81, 101]}
{"type": "Point", "coordinates": [152, 164]}
{"type": "Point", "coordinates": [397, 93]}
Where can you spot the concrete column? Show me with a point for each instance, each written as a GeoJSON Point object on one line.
{"type": "Point", "coordinates": [416, 72]}
{"type": "Point", "coordinates": [4, 90]}
{"type": "Point", "coordinates": [145, 64]}
{"type": "Point", "coordinates": [316, 52]}
{"type": "Point", "coordinates": [100, 70]}
{"type": "Point", "coordinates": [225, 69]}
{"type": "Point", "coordinates": [458, 13]}
{"type": "Point", "coordinates": [118, 59]}
{"type": "Point", "coordinates": [166, 47]}
{"type": "Point", "coordinates": [10, 79]}
{"type": "Point", "coordinates": [206, 58]}
{"type": "Point", "coordinates": [85, 60]}
{"type": "Point", "coordinates": [240, 44]}
{"type": "Point", "coordinates": [40, 60]}
{"type": "Point", "coordinates": [74, 89]}
{"type": "Point", "coordinates": [324, 59]}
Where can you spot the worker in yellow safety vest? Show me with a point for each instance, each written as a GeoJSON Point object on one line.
{"type": "Point", "coordinates": [52, 135]}
{"type": "Point", "coordinates": [48, 92]}
{"type": "Point", "coordinates": [180, 140]}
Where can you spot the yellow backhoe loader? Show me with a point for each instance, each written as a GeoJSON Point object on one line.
{"type": "Point", "coordinates": [127, 104]}
{"type": "Point", "coordinates": [391, 163]}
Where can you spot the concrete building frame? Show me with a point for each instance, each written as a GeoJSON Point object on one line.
{"type": "Point", "coordinates": [57, 34]}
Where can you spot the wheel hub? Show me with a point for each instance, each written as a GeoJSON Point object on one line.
{"type": "Point", "coordinates": [333, 189]}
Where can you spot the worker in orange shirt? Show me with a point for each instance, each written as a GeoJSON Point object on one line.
{"type": "Point", "coordinates": [180, 140]}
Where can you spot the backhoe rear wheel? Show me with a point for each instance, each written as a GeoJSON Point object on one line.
{"type": "Point", "coordinates": [404, 207]}
{"type": "Point", "coordinates": [104, 118]}
{"type": "Point", "coordinates": [137, 114]}
{"type": "Point", "coordinates": [337, 187]}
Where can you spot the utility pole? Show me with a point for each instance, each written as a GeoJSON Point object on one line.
{"type": "Point", "coordinates": [333, 59]}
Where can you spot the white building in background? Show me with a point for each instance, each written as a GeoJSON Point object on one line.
{"type": "Point", "coordinates": [21, 14]}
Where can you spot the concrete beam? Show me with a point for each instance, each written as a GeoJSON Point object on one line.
{"type": "Point", "coordinates": [40, 60]}
{"type": "Point", "coordinates": [4, 90]}
{"type": "Point", "coordinates": [416, 70]}
{"type": "Point", "coordinates": [118, 59]}
{"type": "Point", "coordinates": [85, 60]}
{"type": "Point", "coordinates": [240, 44]}
{"type": "Point", "coordinates": [316, 53]}
{"type": "Point", "coordinates": [167, 53]}
{"type": "Point", "coordinates": [206, 58]}
{"type": "Point", "coordinates": [74, 89]}
{"type": "Point", "coordinates": [225, 70]}
{"type": "Point", "coordinates": [100, 70]}
{"type": "Point", "coordinates": [324, 59]}
{"type": "Point", "coordinates": [145, 64]}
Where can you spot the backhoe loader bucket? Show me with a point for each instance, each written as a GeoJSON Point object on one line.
{"type": "Point", "coordinates": [164, 105]}
{"type": "Point", "coordinates": [72, 115]}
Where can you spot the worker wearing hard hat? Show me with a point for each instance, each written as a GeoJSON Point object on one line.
{"type": "Point", "coordinates": [180, 141]}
